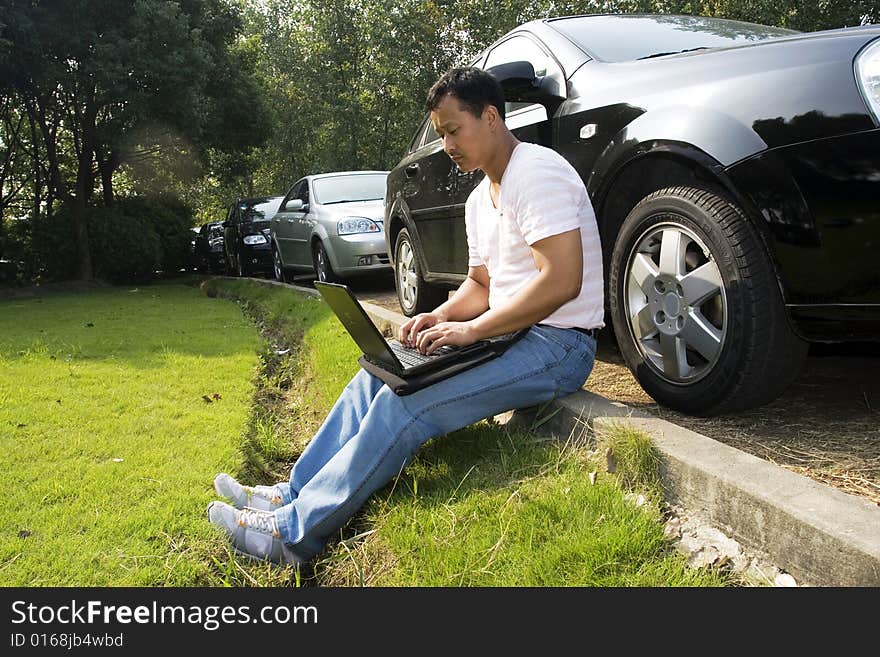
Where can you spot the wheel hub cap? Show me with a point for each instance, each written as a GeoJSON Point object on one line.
{"type": "Point", "coordinates": [676, 303]}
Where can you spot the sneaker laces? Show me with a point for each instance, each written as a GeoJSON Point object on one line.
{"type": "Point", "coordinates": [266, 492]}
{"type": "Point", "coordinates": [259, 520]}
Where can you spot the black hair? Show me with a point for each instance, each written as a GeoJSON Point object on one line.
{"type": "Point", "coordinates": [474, 88]}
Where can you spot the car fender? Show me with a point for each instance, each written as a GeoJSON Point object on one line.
{"type": "Point", "coordinates": [397, 218]}
{"type": "Point", "coordinates": [320, 234]}
{"type": "Point", "coordinates": [618, 157]}
{"type": "Point", "coordinates": [709, 137]}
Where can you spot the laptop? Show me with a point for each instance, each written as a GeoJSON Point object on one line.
{"type": "Point", "coordinates": [405, 369]}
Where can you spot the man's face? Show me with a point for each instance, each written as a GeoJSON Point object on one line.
{"type": "Point", "coordinates": [467, 139]}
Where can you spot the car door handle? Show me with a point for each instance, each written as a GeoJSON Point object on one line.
{"type": "Point", "coordinates": [411, 170]}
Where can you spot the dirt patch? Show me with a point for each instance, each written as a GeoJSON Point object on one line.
{"type": "Point", "coordinates": [826, 426]}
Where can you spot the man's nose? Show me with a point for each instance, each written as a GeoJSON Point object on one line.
{"type": "Point", "coordinates": [448, 144]}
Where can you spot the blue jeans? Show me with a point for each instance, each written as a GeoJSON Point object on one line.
{"type": "Point", "coordinates": [372, 433]}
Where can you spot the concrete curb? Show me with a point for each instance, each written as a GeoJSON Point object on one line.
{"type": "Point", "coordinates": [815, 532]}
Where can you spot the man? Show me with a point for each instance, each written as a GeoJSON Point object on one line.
{"type": "Point", "coordinates": [534, 261]}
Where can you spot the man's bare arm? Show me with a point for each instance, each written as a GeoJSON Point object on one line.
{"type": "Point", "coordinates": [559, 260]}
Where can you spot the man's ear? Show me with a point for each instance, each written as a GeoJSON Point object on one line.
{"type": "Point", "coordinates": [491, 116]}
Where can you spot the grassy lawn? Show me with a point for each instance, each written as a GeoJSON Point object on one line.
{"type": "Point", "coordinates": [111, 447]}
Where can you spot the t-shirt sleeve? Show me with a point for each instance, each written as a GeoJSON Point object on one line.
{"type": "Point", "coordinates": [470, 227]}
{"type": "Point", "coordinates": [549, 195]}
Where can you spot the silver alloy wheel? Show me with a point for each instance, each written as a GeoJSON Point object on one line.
{"type": "Point", "coordinates": [407, 276]}
{"type": "Point", "coordinates": [675, 303]}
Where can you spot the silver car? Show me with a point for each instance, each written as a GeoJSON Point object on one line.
{"type": "Point", "coordinates": [331, 223]}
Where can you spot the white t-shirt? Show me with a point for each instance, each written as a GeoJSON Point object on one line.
{"type": "Point", "coordinates": [541, 195]}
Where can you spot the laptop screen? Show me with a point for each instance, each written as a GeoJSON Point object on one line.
{"type": "Point", "coordinates": [356, 321]}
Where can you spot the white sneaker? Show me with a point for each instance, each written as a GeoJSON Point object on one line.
{"type": "Point", "coordinates": [253, 533]}
{"type": "Point", "coordinates": [263, 498]}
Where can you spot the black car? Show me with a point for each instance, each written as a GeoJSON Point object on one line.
{"type": "Point", "coordinates": [735, 173]}
{"type": "Point", "coordinates": [246, 234]}
{"type": "Point", "coordinates": [208, 248]}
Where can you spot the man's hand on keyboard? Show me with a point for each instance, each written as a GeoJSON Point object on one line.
{"type": "Point", "coordinates": [412, 327]}
{"type": "Point", "coordinates": [445, 333]}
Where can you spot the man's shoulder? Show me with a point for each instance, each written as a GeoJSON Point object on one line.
{"type": "Point", "coordinates": [529, 154]}
{"type": "Point", "coordinates": [536, 163]}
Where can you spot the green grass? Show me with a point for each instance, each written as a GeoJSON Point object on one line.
{"type": "Point", "coordinates": [110, 449]}
{"type": "Point", "coordinates": [486, 508]}
{"type": "Point", "coordinates": [108, 445]}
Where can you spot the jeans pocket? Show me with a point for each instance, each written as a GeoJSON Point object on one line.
{"type": "Point", "coordinates": [575, 369]}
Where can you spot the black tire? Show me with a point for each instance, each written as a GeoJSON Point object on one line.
{"type": "Point", "coordinates": [414, 294]}
{"type": "Point", "coordinates": [323, 269]}
{"type": "Point", "coordinates": [713, 342]}
{"type": "Point", "coordinates": [278, 266]}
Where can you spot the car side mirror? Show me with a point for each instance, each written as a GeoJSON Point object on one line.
{"type": "Point", "coordinates": [295, 205]}
{"type": "Point", "coordinates": [520, 84]}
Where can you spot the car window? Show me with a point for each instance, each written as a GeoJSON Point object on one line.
{"type": "Point", "coordinates": [339, 189]}
{"type": "Point", "coordinates": [430, 134]}
{"type": "Point", "coordinates": [303, 192]}
{"type": "Point", "coordinates": [259, 210]}
{"type": "Point", "coordinates": [521, 48]}
{"type": "Point", "coordinates": [292, 194]}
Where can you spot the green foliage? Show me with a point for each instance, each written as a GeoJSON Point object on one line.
{"type": "Point", "coordinates": [124, 246]}
{"type": "Point", "coordinates": [125, 77]}
{"type": "Point", "coordinates": [130, 239]}
{"type": "Point", "coordinates": [52, 246]}
{"type": "Point", "coordinates": [171, 220]}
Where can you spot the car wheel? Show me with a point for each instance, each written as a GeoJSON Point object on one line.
{"type": "Point", "coordinates": [278, 266]}
{"type": "Point", "coordinates": [414, 294]}
{"type": "Point", "coordinates": [696, 307]}
{"type": "Point", "coordinates": [323, 269]}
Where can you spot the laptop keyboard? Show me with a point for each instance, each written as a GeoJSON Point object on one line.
{"type": "Point", "coordinates": [412, 357]}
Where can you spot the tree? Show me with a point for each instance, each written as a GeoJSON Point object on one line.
{"type": "Point", "coordinates": [106, 69]}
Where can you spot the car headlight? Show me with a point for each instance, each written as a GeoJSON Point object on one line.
{"type": "Point", "coordinates": [868, 76]}
{"type": "Point", "coordinates": [255, 239]}
{"type": "Point", "coordinates": [351, 225]}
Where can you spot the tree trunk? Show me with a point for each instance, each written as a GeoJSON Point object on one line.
{"type": "Point", "coordinates": [106, 167]}
{"type": "Point", "coordinates": [84, 184]}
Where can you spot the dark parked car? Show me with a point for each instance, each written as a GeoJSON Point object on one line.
{"type": "Point", "coordinates": [208, 248]}
{"type": "Point", "coordinates": [246, 235]}
{"type": "Point", "coordinates": [735, 173]}
{"type": "Point", "coordinates": [331, 223]}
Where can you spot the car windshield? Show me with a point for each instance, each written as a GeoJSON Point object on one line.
{"type": "Point", "coordinates": [341, 189]}
{"type": "Point", "coordinates": [626, 38]}
{"type": "Point", "coordinates": [257, 211]}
